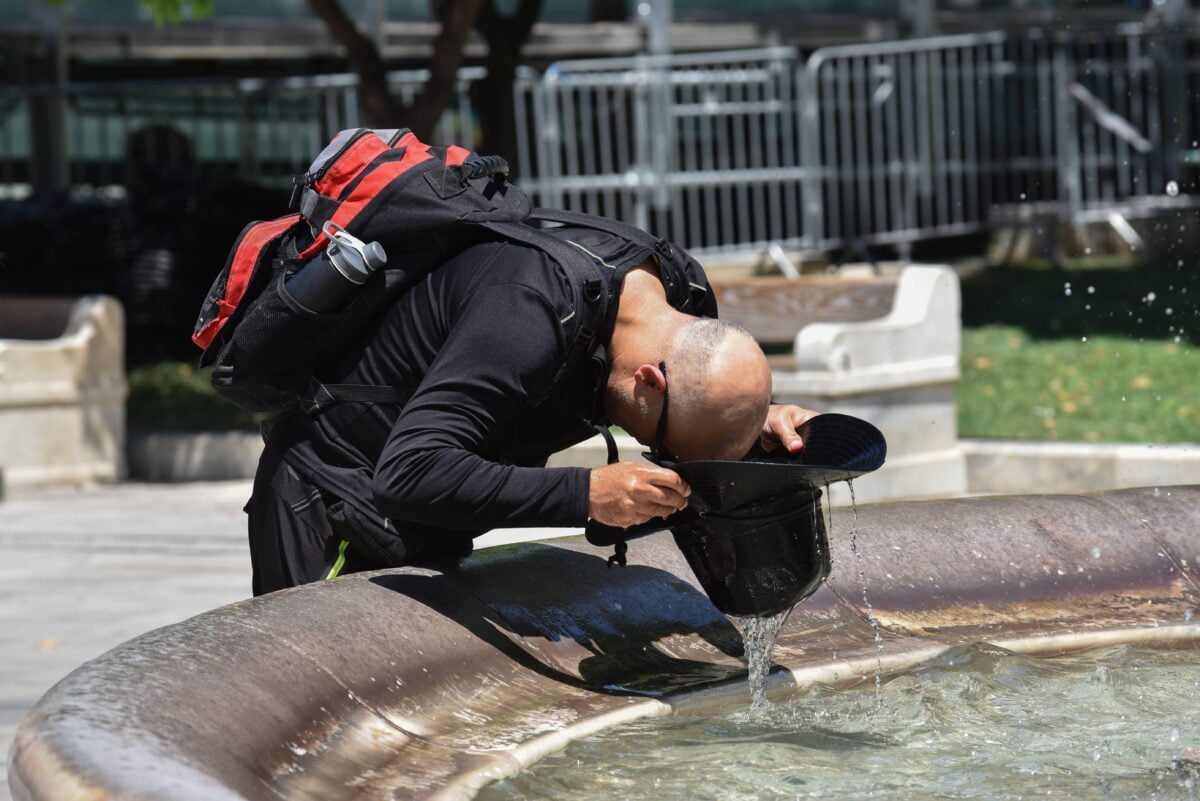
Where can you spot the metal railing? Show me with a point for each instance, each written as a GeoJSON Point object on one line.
{"type": "Point", "coordinates": [702, 148]}
{"type": "Point", "coordinates": [882, 143]}
{"type": "Point", "coordinates": [885, 143]}
{"type": "Point", "coordinates": [261, 130]}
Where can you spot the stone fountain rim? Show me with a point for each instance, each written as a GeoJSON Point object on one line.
{"type": "Point", "coordinates": [1144, 569]}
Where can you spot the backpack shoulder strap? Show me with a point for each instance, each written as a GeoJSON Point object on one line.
{"type": "Point", "coordinates": [581, 220]}
{"type": "Point", "coordinates": [594, 290]}
{"type": "Point", "coordinates": [675, 265]}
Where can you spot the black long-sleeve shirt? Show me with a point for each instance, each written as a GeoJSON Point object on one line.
{"type": "Point", "coordinates": [480, 342]}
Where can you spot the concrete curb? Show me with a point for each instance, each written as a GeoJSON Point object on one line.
{"type": "Point", "coordinates": [992, 466]}
{"type": "Point", "coordinates": [205, 456]}
{"type": "Point", "coordinates": [233, 455]}
{"type": "Point", "coordinates": [419, 683]}
{"type": "Point", "coordinates": [1016, 467]}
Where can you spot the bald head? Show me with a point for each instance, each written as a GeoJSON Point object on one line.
{"type": "Point", "coordinates": [720, 390]}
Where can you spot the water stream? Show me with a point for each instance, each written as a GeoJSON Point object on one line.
{"type": "Point", "coordinates": [759, 635]}
{"type": "Point", "coordinates": [862, 580]}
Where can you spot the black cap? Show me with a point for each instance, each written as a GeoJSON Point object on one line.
{"type": "Point", "coordinates": [837, 447]}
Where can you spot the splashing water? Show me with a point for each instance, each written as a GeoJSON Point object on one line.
{"type": "Point", "coordinates": [862, 579]}
{"type": "Point", "coordinates": [976, 722]}
{"type": "Point", "coordinates": [759, 635]}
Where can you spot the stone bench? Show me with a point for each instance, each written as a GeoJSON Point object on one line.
{"type": "Point", "coordinates": [883, 348]}
{"type": "Point", "coordinates": [62, 389]}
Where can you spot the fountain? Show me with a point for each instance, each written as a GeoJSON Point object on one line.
{"type": "Point", "coordinates": [430, 684]}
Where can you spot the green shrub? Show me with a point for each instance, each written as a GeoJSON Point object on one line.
{"type": "Point", "coordinates": [177, 396]}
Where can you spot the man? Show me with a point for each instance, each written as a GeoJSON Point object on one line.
{"type": "Point", "coordinates": [481, 350]}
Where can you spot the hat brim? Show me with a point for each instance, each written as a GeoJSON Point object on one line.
{"type": "Point", "coordinates": [837, 447]}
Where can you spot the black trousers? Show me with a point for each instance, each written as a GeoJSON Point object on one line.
{"type": "Point", "coordinates": [291, 541]}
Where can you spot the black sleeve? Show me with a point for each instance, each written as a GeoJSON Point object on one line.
{"type": "Point", "coordinates": [503, 351]}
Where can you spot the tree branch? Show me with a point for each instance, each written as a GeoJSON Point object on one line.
{"type": "Point", "coordinates": [505, 37]}
{"type": "Point", "coordinates": [458, 17]}
{"type": "Point", "coordinates": [516, 26]}
{"type": "Point", "coordinates": [377, 102]}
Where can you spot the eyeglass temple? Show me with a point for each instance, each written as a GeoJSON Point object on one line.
{"type": "Point", "coordinates": [661, 433]}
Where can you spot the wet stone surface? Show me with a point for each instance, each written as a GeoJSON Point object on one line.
{"type": "Point", "coordinates": [84, 570]}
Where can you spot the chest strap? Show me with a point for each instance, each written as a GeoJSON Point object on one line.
{"type": "Point", "coordinates": [322, 396]}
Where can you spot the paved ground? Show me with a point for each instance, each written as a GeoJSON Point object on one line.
{"type": "Point", "coordinates": [84, 570]}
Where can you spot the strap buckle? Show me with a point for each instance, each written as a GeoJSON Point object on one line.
{"type": "Point", "coordinates": [299, 184]}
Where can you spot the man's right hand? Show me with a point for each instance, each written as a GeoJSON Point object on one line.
{"type": "Point", "coordinates": [628, 493]}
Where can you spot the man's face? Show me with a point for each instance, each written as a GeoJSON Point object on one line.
{"type": "Point", "coordinates": [703, 442]}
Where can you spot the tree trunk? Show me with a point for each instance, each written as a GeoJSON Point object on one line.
{"type": "Point", "coordinates": [375, 98]}
{"type": "Point", "coordinates": [457, 17]}
{"type": "Point", "coordinates": [505, 37]}
{"type": "Point", "coordinates": [378, 106]}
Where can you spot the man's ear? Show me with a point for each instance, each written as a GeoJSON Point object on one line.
{"type": "Point", "coordinates": [648, 375]}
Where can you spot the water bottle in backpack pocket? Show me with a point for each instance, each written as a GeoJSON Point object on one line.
{"type": "Point", "coordinates": [295, 288]}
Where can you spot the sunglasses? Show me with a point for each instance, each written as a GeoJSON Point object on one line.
{"type": "Point", "coordinates": [658, 452]}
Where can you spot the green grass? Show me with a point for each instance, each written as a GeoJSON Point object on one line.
{"type": "Point", "coordinates": [1028, 372]}
{"type": "Point", "coordinates": [1107, 389]}
{"type": "Point", "coordinates": [1095, 352]}
{"type": "Point", "coordinates": [176, 396]}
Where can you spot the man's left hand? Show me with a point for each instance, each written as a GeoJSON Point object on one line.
{"type": "Point", "coordinates": [781, 425]}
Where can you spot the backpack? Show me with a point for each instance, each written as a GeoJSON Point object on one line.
{"type": "Point", "coordinates": [423, 204]}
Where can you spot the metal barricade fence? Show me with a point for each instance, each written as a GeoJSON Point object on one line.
{"type": "Point", "coordinates": [703, 148]}
{"type": "Point", "coordinates": [884, 143]}
{"type": "Point", "coordinates": [261, 130]}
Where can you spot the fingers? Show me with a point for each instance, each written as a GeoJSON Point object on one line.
{"type": "Point", "coordinates": [661, 488]}
{"type": "Point", "coordinates": [781, 427]}
{"type": "Point", "coordinates": [669, 479]}
{"type": "Point", "coordinates": [627, 493]}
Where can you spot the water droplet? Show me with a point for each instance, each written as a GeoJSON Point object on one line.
{"type": "Point", "coordinates": [1172, 187]}
{"type": "Point", "coordinates": [1091, 290]}
{"type": "Point", "coordinates": [1095, 553]}
{"type": "Point", "coordinates": [1067, 289]}
{"type": "Point", "coordinates": [1169, 311]}
{"type": "Point", "coordinates": [1150, 297]}
{"type": "Point", "coordinates": [1156, 492]}
{"type": "Point", "coordinates": [1174, 735]}
{"type": "Point", "coordinates": [1083, 339]}
{"type": "Point", "coordinates": [1188, 615]}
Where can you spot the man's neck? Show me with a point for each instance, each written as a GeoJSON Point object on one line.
{"type": "Point", "coordinates": [645, 324]}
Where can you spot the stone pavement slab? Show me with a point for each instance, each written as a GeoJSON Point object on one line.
{"type": "Point", "coordinates": [81, 571]}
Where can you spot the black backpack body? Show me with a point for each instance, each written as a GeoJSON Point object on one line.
{"type": "Point", "coordinates": [423, 205]}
